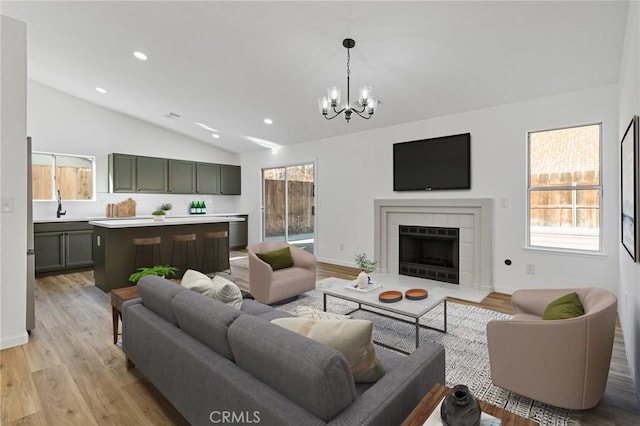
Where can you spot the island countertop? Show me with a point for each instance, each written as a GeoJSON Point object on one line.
{"type": "Point", "coordinates": [139, 223]}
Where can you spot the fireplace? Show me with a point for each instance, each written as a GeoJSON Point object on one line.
{"type": "Point", "coordinates": [429, 252]}
{"type": "Point", "coordinates": [472, 216]}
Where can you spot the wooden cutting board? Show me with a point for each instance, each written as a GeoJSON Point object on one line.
{"type": "Point", "coordinates": [127, 208]}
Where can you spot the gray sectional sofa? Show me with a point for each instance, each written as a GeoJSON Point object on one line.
{"type": "Point", "coordinates": [217, 364]}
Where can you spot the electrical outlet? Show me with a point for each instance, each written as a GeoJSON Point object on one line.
{"type": "Point", "coordinates": [531, 268]}
{"type": "Point", "coordinates": [342, 246]}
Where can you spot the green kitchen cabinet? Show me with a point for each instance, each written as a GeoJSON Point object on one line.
{"type": "Point", "coordinates": [230, 180]}
{"type": "Point", "coordinates": [49, 251]}
{"type": "Point", "coordinates": [207, 178]}
{"type": "Point", "coordinates": [60, 246]}
{"type": "Point", "coordinates": [151, 174]}
{"type": "Point", "coordinates": [122, 173]}
{"type": "Point", "coordinates": [239, 233]}
{"type": "Point", "coordinates": [182, 177]}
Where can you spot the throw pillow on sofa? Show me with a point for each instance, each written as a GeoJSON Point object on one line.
{"type": "Point", "coordinates": [565, 307]}
{"type": "Point", "coordinates": [278, 259]}
{"type": "Point", "coordinates": [217, 287]}
{"type": "Point", "coordinates": [307, 312]}
{"type": "Point", "coordinates": [351, 337]}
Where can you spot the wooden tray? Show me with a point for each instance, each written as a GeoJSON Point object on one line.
{"type": "Point", "coordinates": [390, 296]}
{"type": "Point", "coordinates": [416, 294]}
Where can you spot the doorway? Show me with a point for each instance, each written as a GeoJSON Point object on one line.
{"type": "Point", "coordinates": [288, 196]}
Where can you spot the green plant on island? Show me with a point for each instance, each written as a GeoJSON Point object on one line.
{"type": "Point", "coordinates": [364, 263]}
{"type": "Point", "coordinates": [165, 271]}
{"type": "Point", "coordinates": [159, 213]}
{"type": "Point", "coordinates": [166, 206]}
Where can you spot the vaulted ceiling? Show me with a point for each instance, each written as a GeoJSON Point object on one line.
{"type": "Point", "coordinates": [230, 65]}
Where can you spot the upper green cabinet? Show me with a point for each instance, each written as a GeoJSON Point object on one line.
{"type": "Point", "coordinates": [151, 174]}
{"type": "Point", "coordinates": [230, 181]}
{"type": "Point", "coordinates": [207, 178]}
{"type": "Point", "coordinates": [122, 173]}
{"type": "Point", "coordinates": [182, 177]}
{"type": "Point", "coordinates": [131, 173]}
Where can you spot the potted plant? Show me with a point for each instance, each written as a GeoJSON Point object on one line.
{"type": "Point", "coordinates": [158, 215]}
{"type": "Point", "coordinates": [366, 265]}
{"type": "Point", "coordinates": [165, 271]}
{"type": "Point", "coordinates": [165, 207]}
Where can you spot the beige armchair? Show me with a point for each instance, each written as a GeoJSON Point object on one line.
{"type": "Point", "coordinates": [269, 286]}
{"type": "Point", "coordinates": [563, 362]}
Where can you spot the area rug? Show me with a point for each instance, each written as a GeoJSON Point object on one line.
{"type": "Point", "coordinates": [465, 343]}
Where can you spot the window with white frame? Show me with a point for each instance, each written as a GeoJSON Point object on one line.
{"type": "Point", "coordinates": [72, 175]}
{"type": "Point", "coordinates": [565, 191]}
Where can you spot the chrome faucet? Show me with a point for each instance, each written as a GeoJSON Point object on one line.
{"type": "Point", "coordinates": [60, 212]}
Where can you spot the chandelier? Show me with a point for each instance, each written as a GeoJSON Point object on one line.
{"type": "Point", "coordinates": [366, 105]}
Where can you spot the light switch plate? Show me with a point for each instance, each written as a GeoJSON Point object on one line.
{"type": "Point", "coordinates": [6, 205]}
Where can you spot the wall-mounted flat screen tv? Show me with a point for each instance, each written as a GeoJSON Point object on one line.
{"type": "Point", "coordinates": [433, 164]}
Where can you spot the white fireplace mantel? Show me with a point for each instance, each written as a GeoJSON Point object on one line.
{"type": "Point", "coordinates": [474, 217]}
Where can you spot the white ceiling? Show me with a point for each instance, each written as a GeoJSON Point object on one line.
{"type": "Point", "coordinates": [231, 64]}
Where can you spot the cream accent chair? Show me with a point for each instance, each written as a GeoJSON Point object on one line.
{"type": "Point", "coordinates": [562, 362]}
{"type": "Point", "coordinates": [269, 286]}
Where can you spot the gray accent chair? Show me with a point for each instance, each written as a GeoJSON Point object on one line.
{"type": "Point", "coordinates": [209, 359]}
{"type": "Point", "coordinates": [269, 286]}
{"type": "Point", "coordinates": [561, 362]}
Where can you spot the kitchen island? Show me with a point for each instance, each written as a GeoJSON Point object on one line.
{"type": "Point", "coordinates": [114, 251]}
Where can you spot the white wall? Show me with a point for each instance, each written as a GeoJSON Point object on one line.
{"type": "Point", "coordinates": [354, 170]}
{"type": "Point", "coordinates": [64, 124]}
{"type": "Point", "coordinates": [13, 183]}
{"type": "Point", "coordinates": [629, 105]}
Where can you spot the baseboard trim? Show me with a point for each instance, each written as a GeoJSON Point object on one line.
{"type": "Point", "coordinates": [16, 340]}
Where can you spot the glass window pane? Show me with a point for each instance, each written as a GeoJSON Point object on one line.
{"type": "Point", "coordinates": [42, 176]}
{"type": "Point", "coordinates": [565, 157]}
{"type": "Point", "coordinates": [274, 203]}
{"type": "Point", "coordinates": [300, 204]}
{"type": "Point", "coordinates": [74, 177]}
{"type": "Point", "coordinates": [565, 219]}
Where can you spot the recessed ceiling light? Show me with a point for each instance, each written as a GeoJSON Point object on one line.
{"type": "Point", "coordinates": [100, 90]}
{"type": "Point", "coordinates": [204, 126]}
{"type": "Point", "coordinates": [140, 56]}
{"type": "Point", "coordinates": [215, 135]}
{"type": "Point", "coordinates": [268, 121]}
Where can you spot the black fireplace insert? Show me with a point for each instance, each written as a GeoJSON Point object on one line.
{"type": "Point", "coordinates": [430, 252]}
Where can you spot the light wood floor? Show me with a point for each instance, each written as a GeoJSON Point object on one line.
{"type": "Point", "coordinates": [70, 372]}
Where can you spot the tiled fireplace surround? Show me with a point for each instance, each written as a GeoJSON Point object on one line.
{"type": "Point", "coordinates": [474, 217]}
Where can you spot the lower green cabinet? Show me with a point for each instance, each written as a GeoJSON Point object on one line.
{"type": "Point", "coordinates": [238, 233]}
{"type": "Point", "coordinates": [62, 246]}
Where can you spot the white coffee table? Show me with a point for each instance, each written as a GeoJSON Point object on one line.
{"type": "Point", "coordinates": [410, 308]}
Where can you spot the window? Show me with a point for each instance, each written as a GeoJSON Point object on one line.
{"type": "Point", "coordinates": [72, 175]}
{"type": "Point", "coordinates": [564, 189]}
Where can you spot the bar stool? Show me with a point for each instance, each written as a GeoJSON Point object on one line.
{"type": "Point", "coordinates": [184, 241]}
{"type": "Point", "coordinates": [216, 238]}
{"type": "Point", "coordinates": [154, 245]}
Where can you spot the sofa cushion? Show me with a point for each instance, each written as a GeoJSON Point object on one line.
{"type": "Point", "coordinates": [278, 259]}
{"type": "Point", "coordinates": [217, 287]}
{"type": "Point", "coordinates": [253, 307]}
{"type": "Point", "coordinates": [312, 375]}
{"type": "Point", "coordinates": [565, 307]}
{"type": "Point", "coordinates": [206, 320]}
{"type": "Point", "coordinates": [157, 294]}
{"type": "Point", "coordinates": [351, 337]}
